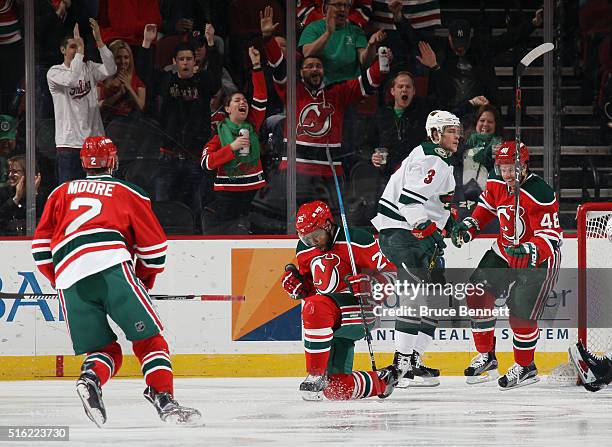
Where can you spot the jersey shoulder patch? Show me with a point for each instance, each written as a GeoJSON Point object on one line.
{"type": "Point", "coordinates": [538, 190]}
{"type": "Point", "coordinates": [432, 149]}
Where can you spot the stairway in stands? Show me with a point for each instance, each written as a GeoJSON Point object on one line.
{"type": "Point", "coordinates": [586, 161]}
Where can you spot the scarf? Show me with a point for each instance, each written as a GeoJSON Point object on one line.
{"type": "Point", "coordinates": [483, 148]}
{"type": "Point", "coordinates": [228, 132]}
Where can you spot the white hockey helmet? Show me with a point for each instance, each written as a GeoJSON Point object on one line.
{"type": "Point", "coordinates": [438, 120]}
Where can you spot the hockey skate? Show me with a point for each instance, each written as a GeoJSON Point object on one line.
{"type": "Point", "coordinates": [518, 376]}
{"type": "Point", "coordinates": [169, 410]}
{"type": "Point", "coordinates": [389, 375]}
{"type": "Point", "coordinates": [482, 369]}
{"type": "Point", "coordinates": [595, 371]}
{"type": "Point", "coordinates": [312, 387]}
{"type": "Point", "coordinates": [423, 375]}
{"type": "Point", "coordinates": [403, 363]}
{"type": "Point", "coordinates": [89, 390]}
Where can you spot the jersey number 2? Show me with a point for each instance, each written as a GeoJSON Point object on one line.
{"type": "Point", "coordinates": [430, 175]}
{"type": "Point", "coordinates": [94, 207]}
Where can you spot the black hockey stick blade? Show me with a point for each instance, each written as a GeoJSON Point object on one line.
{"type": "Point", "coordinates": [533, 55]}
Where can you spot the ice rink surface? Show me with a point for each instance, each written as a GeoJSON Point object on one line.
{"type": "Point", "coordinates": [254, 412]}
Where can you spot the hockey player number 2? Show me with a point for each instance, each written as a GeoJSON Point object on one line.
{"type": "Point", "coordinates": [429, 177]}
{"type": "Point", "coordinates": [94, 208]}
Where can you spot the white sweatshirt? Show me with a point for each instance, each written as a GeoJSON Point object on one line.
{"type": "Point", "coordinates": [75, 98]}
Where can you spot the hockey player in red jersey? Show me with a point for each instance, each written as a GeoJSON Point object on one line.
{"type": "Point", "coordinates": [100, 245]}
{"type": "Point", "coordinates": [331, 313]}
{"type": "Point", "coordinates": [535, 262]}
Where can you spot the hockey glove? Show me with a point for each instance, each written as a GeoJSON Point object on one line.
{"type": "Point", "coordinates": [464, 231]}
{"type": "Point", "coordinates": [522, 256]}
{"type": "Point", "coordinates": [294, 283]}
{"type": "Point", "coordinates": [360, 286]}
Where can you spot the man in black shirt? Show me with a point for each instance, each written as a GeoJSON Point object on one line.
{"type": "Point", "coordinates": [184, 115]}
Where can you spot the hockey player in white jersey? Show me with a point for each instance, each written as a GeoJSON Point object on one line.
{"type": "Point", "coordinates": [412, 213]}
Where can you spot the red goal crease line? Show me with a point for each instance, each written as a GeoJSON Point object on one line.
{"type": "Point", "coordinates": [202, 297]}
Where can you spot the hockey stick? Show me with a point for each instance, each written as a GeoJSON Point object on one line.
{"type": "Point", "coordinates": [537, 52]}
{"type": "Point", "coordinates": [352, 258]}
{"type": "Point", "coordinates": [53, 296]}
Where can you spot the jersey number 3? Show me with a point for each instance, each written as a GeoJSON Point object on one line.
{"type": "Point", "coordinates": [430, 175]}
{"type": "Point", "coordinates": [93, 208]}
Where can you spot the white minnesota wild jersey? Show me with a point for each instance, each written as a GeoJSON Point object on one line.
{"type": "Point", "coordinates": [420, 189]}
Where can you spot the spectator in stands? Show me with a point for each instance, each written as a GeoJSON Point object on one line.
{"type": "Point", "coordinates": [13, 198]}
{"type": "Point", "coordinates": [478, 152]}
{"type": "Point", "coordinates": [319, 116]}
{"type": "Point", "coordinates": [464, 66]}
{"type": "Point", "coordinates": [339, 44]}
{"type": "Point", "coordinates": [123, 93]}
{"type": "Point", "coordinates": [75, 100]}
{"type": "Point", "coordinates": [309, 11]}
{"type": "Point", "coordinates": [11, 52]}
{"type": "Point", "coordinates": [184, 115]}
{"type": "Point", "coordinates": [125, 19]}
{"type": "Point", "coordinates": [8, 134]}
{"type": "Point", "coordinates": [235, 157]}
{"type": "Point", "coordinates": [400, 126]}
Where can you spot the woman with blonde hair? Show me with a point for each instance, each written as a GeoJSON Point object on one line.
{"type": "Point", "coordinates": [123, 93]}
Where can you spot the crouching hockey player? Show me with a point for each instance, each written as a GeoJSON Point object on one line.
{"type": "Point", "coordinates": [595, 371]}
{"type": "Point", "coordinates": [532, 266]}
{"type": "Point", "coordinates": [331, 314]}
{"type": "Point", "coordinates": [100, 245]}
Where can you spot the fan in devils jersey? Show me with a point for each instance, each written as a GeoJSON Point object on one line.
{"type": "Point", "coordinates": [534, 264]}
{"type": "Point", "coordinates": [331, 313]}
{"type": "Point", "coordinates": [99, 243]}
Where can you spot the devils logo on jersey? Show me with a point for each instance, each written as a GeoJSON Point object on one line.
{"type": "Point", "coordinates": [505, 213]}
{"type": "Point", "coordinates": [325, 274]}
{"type": "Point", "coordinates": [315, 119]}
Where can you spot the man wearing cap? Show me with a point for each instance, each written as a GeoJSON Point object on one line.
{"type": "Point", "coordinates": [464, 66]}
{"type": "Point", "coordinates": [8, 133]}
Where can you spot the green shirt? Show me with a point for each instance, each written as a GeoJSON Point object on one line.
{"type": "Point", "coordinates": [340, 57]}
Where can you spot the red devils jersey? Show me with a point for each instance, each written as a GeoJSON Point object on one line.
{"type": "Point", "coordinates": [538, 214]}
{"type": "Point", "coordinates": [90, 225]}
{"type": "Point", "coordinates": [320, 113]}
{"type": "Point", "coordinates": [327, 269]}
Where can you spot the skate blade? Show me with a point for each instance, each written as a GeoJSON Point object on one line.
{"type": "Point", "coordinates": [311, 395]}
{"type": "Point", "coordinates": [523, 383]}
{"type": "Point", "coordinates": [403, 383]}
{"type": "Point", "coordinates": [487, 376]}
{"type": "Point", "coordinates": [94, 414]}
{"type": "Point", "coordinates": [425, 383]}
{"type": "Point", "coordinates": [182, 418]}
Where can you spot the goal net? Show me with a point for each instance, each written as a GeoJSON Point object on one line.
{"type": "Point", "coordinates": [594, 232]}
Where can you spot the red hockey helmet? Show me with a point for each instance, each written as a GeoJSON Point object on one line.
{"type": "Point", "coordinates": [507, 153]}
{"type": "Point", "coordinates": [98, 152]}
{"type": "Point", "coordinates": [310, 217]}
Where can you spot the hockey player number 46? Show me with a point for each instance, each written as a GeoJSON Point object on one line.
{"type": "Point", "coordinates": [550, 222]}
{"type": "Point", "coordinates": [94, 207]}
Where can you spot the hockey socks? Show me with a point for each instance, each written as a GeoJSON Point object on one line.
{"type": "Point", "coordinates": [154, 358]}
{"type": "Point", "coordinates": [105, 362]}
{"type": "Point", "coordinates": [357, 385]}
{"type": "Point", "coordinates": [317, 345]}
{"type": "Point", "coordinates": [483, 328]}
{"type": "Point", "coordinates": [524, 341]}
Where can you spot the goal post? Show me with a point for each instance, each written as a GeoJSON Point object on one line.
{"type": "Point", "coordinates": [594, 253]}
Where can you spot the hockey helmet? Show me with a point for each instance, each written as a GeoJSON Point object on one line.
{"type": "Point", "coordinates": [438, 120]}
{"type": "Point", "coordinates": [312, 216]}
{"type": "Point", "coordinates": [507, 153]}
{"type": "Point", "coordinates": [98, 152]}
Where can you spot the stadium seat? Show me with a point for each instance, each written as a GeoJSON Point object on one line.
{"type": "Point", "coordinates": [142, 173]}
